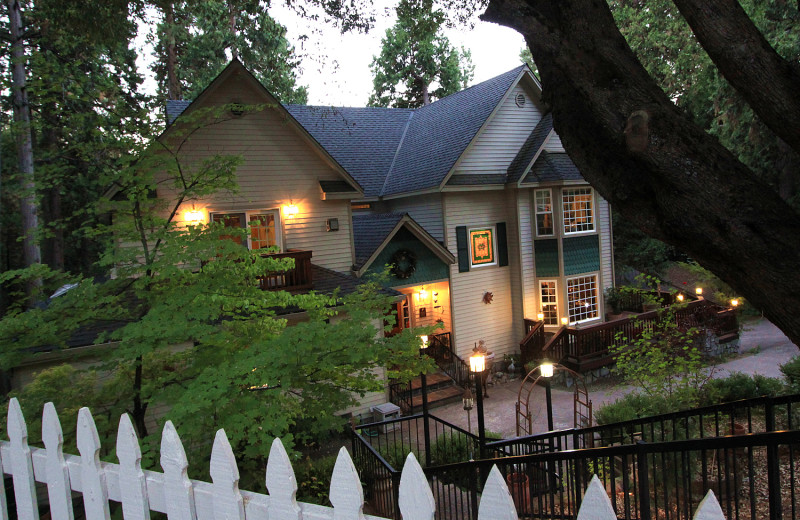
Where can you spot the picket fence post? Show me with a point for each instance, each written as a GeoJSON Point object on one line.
{"type": "Point", "coordinates": [175, 494]}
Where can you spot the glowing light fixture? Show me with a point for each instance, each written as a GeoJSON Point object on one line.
{"type": "Point", "coordinates": [540, 316]}
{"type": "Point", "coordinates": [477, 363]}
{"type": "Point", "coordinates": [565, 321]}
{"type": "Point", "coordinates": [546, 368]}
{"type": "Point", "coordinates": [290, 210]}
{"type": "Point", "coordinates": [424, 340]}
{"type": "Point", "coordinates": [734, 302]}
{"type": "Point", "coordinates": [699, 291]}
{"type": "Point", "coordinates": [680, 297]}
{"type": "Point", "coordinates": [194, 216]}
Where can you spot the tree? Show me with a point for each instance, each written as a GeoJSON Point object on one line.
{"type": "Point", "coordinates": [652, 162]}
{"type": "Point", "coordinates": [417, 64]}
{"type": "Point", "coordinates": [195, 332]}
{"type": "Point", "coordinates": [192, 47]}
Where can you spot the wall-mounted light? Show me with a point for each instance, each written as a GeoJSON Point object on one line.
{"type": "Point", "coordinates": [734, 302]}
{"type": "Point", "coordinates": [422, 294]}
{"type": "Point", "coordinates": [699, 291]}
{"type": "Point", "coordinates": [680, 297]}
{"type": "Point", "coordinates": [194, 216]}
{"type": "Point", "coordinates": [290, 210]}
{"type": "Point", "coordinates": [540, 316]}
{"type": "Point", "coordinates": [565, 321]}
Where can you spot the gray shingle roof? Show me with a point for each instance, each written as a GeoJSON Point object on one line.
{"type": "Point", "coordinates": [174, 108]}
{"type": "Point", "coordinates": [531, 146]}
{"type": "Point", "coordinates": [336, 187]}
{"type": "Point", "coordinates": [477, 179]}
{"type": "Point", "coordinates": [363, 140]}
{"type": "Point", "coordinates": [369, 232]}
{"type": "Point", "coordinates": [553, 166]}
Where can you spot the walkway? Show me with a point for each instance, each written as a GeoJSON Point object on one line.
{"type": "Point", "coordinates": [763, 346]}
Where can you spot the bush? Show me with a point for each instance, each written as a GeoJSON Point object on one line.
{"type": "Point", "coordinates": [314, 479]}
{"type": "Point", "coordinates": [740, 386]}
{"type": "Point", "coordinates": [791, 372]}
{"type": "Point", "coordinates": [637, 405]}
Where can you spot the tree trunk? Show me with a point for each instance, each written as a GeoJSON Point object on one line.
{"type": "Point", "coordinates": [22, 129]}
{"type": "Point", "coordinates": [657, 168]}
{"type": "Point", "coordinates": [173, 85]}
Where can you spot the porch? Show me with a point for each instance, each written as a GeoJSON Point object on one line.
{"type": "Point", "coordinates": [299, 278]}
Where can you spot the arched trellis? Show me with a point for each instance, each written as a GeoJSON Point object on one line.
{"type": "Point", "coordinates": [582, 404]}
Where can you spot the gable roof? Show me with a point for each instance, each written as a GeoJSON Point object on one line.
{"type": "Point", "coordinates": [553, 166]}
{"type": "Point", "coordinates": [533, 144]}
{"type": "Point", "coordinates": [373, 231]}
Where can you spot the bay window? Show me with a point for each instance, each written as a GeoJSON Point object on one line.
{"type": "Point", "coordinates": [582, 301]}
{"type": "Point", "coordinates": [578, 210]}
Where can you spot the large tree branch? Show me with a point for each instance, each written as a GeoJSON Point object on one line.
{"type": "Point", "coordinates": [769, 83]}
{"type": "Point", "coordinates": [647, 158]}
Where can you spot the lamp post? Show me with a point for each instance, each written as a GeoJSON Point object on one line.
{"type": "Point", "coordinates": [477, 365]}
{"type": "Point", "coordinates": [546, 369]}
{"type": "Point", "coordinates": [425, 425]}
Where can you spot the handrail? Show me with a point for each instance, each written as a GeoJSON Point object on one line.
{"type": "Point", "coordinates": [440, 348]}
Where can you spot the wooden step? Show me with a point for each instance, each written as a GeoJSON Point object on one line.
{"type": "Point", "coordinates": [439, 397]}
{"type": "Point", "coordinates": [432, 380]}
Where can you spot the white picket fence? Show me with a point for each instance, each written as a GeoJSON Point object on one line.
{"type": "Point", "coordinates": [173, 493]}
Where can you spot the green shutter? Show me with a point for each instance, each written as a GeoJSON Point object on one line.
{"type": "Point", "coordinates": [502, 245]}
{"type": "Point", "coordinates": [463, 250]}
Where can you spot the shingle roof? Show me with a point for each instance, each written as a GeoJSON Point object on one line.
{"type": "Point", "coordinates": [477, 179]}
{"type": "Point", "coordinates": [327, 281]}
{"type": "Point", "coordinates": [553, 166]}
{"type": "Point", "coordinates": [336, 187]}
{"type": "Point", "coordinates": [363, 140]}
{"type": "Point", "coordinates": [531, 146]}
{"type": "Point", "coordinates": [174, 108]}
{"type": "Point", "coordinates": [369, 232]}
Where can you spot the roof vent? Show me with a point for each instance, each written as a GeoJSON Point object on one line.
{"type": "Point", "coordinates": [520, 100]}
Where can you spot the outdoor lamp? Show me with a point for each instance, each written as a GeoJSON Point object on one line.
{"type": "Point", "coordinates": [424, 340]}
{"type": "Point", "coordinates": [540, 316]}
{"type": "Point", "coordinates": [565, 321]}
{"type": "Point", "coordinates": [680, 297]}
{"type": "Point", "coordinates": [467, 399]}
{"type": "Point", "coordinates": [699, 291]}
{"type": "Point", "coordinates": [734, 302]}
{"type": "Point", "coordinates": [546, 368]}
{"type": "Point", "coordinates": [477, 363]}
{"type": "Point", "coordinates": [290, 210]}
{"type": "Point", "coordinates": [194, 216]}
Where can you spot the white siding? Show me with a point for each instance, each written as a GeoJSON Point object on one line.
{"type": "Point", "coordinates": [515, 265]}
{"type": "Point", "coordinates": [426, 210]}
{"type": "Point", "coordinates": [280, 167]}
{"type": "Point", "coordinates": [502, 138]}
{"type": "Point", "coordinates": [606, 243]}
{"type": "Point", "coordinates": [530, 298]}
{"type": "Point", "coordinates": [474, 320]}
{"type": "Point", "coordinates": [553, 144]}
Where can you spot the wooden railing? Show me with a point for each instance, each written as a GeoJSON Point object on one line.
{"type": "Point", "coordinates": [297, 279]}
{"type": "Point", "coordinates": [533, 342]}
{"type": "Point", "coordinates": [588, 348]}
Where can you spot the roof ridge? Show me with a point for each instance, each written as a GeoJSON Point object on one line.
{"type": "Point", "coordinates": [397, 152]}
{"type": "Point", "coordinates": [493, 78]}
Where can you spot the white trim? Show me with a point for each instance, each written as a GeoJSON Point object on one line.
{"type": "Point", "coordinates": [597, 295]}
{"type": "Point", "coordinates": [250, 212]}
{"type": "Point", "coordinates": [536, 213]}
{"type": "Point", "coordinates": [555, 295]}
{"type": "Point", "coordinates": [593, 210]}
{"type": "Point", "coordinates": [494, 246]}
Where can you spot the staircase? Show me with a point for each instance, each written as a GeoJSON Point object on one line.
{"type": "Point", "coordinates": [441, 388]}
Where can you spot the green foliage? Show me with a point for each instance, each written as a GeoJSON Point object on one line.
{"type": "Point", "coordinates": [415, 57]}
{"type": "Point", "coordinates": [314, 479]}
{"type": "Point", "coordinates": [637, 405]}
{"type": "Point", "coordinates": [634, 249]}
{"type": "Point", "coordinates": [395, 454]}
{"type": "Point", "coordinates": [791, 372]}
{"type": "Point", "coordinates": [713, 288]}
{"type": "Point", "coordinates": [740, 386]}
{"type": "Point", "coordinates": [664, 357]}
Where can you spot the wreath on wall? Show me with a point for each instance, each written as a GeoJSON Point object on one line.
{"type": "Point", "coordinates": [404, 263]}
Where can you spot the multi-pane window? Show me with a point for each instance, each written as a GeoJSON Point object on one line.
{"type": "Point", "coordinates": [549, 301]}
{"type": "Point", "coordinates": [582, 298]}
{"type": "Point", "coordinates": [578, 210]}
{"type": "Point", "coordinates": [263, 227]}
{"type": "Point", "coordinates": [544, 213]}
{"type": "Point", "coordinates": [481, 245]}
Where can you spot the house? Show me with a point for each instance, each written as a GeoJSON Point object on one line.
{"type": "Point", "coordinates": [472, 201]}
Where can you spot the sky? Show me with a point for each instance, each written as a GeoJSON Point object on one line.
{"type": "Point", "coordinates": [335, 66]}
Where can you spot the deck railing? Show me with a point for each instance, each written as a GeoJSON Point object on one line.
{"type": "Point", "coordinates": [297, 279]}
{"type": "Point", "coordinates": [440, 348]}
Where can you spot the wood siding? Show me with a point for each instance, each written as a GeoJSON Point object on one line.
{"type": "Point", "coordinates": [280, 167]}
{"type": "Point", "coordinates": [606, 243]}
{"type": "Point", "coordinates": [473, 319]}
{"type": "Point", "coordinates": [530, 295]}
{"type": "Point", "coordinates": [434, 311]}
{"type": "Point", "coordinates": [503, 136]}
{"type": "Point", "coordinates": [426, 210]}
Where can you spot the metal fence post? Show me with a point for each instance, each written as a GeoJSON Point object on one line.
{"type": "Point", "coordinates": [644, 482]}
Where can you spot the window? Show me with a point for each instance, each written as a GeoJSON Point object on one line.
{"type": "Point", "coordinates": [578, 210]}
{"type": "Point", "coordinates": [263, 225]}
{"type": "Point", "coordinates": [544, 213]}
{"type": "Point", "coordinates": [582, 298]}
{"type": "Point", "coordinates": [481, 246]}
{"type": "Point", "coordinates": [549, 301]}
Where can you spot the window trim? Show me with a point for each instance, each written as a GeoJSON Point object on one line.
{"type": "Point", "coordinates": [251, 212]}
{"type": "Point", "coordinates": [596, 277]}
{"type": "Point", "coordinates": [593, 210]}
{"type": "Point", "coordinates": [541, 301]}
{"type": "Point", "coordinates": [493, 230]}
{"type": "Point", "coordinates": [536, 212]}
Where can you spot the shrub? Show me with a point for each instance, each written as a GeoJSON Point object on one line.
{"type": "Point", "coordinates": [314, 479]}
{"type": "Point", "coordinates": [791, 372]}
{"type": "Point", "coordinates": [740, 386]}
